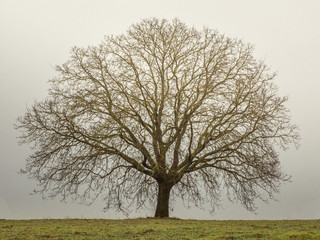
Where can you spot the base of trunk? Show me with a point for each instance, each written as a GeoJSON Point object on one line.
{"type": "Point", "coordinates": [162, 210]}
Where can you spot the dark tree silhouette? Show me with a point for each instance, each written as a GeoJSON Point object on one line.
{"type": "Point", "coordinates": [160, 112]}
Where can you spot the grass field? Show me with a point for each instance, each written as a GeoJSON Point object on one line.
{"type": "Point", "coordinates": [149, 228]}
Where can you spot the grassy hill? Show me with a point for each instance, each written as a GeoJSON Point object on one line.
{"type": "Point", "coordinates": [149, 228]}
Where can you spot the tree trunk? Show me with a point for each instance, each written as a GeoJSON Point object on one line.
{"type": "Point", "coordinates": [163, 200]}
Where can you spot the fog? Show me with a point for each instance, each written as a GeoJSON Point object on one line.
{"type": "Point", "coordinates": [37, 35]}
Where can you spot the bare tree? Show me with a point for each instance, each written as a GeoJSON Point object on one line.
{"type": "Point", "coordinates": [163, 109]}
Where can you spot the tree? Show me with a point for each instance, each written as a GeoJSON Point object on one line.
{"type": "Point", "coordinates": [165, 111]}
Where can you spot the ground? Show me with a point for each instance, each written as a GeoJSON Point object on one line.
{"type": "Point", "coordinates": [150, 228]}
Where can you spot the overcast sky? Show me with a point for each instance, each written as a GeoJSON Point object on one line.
{"type": "Point", "coordinates": [37, 35]}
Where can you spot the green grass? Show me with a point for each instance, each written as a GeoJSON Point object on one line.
{"type": "Point", "coordinates": [150, 228]}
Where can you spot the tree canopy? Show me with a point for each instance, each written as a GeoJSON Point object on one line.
{"type": "Point", "coordinates": [160, 112]}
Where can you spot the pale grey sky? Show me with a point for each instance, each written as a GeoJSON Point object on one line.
{"type": "Point", "coordinates": [35, 35]}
